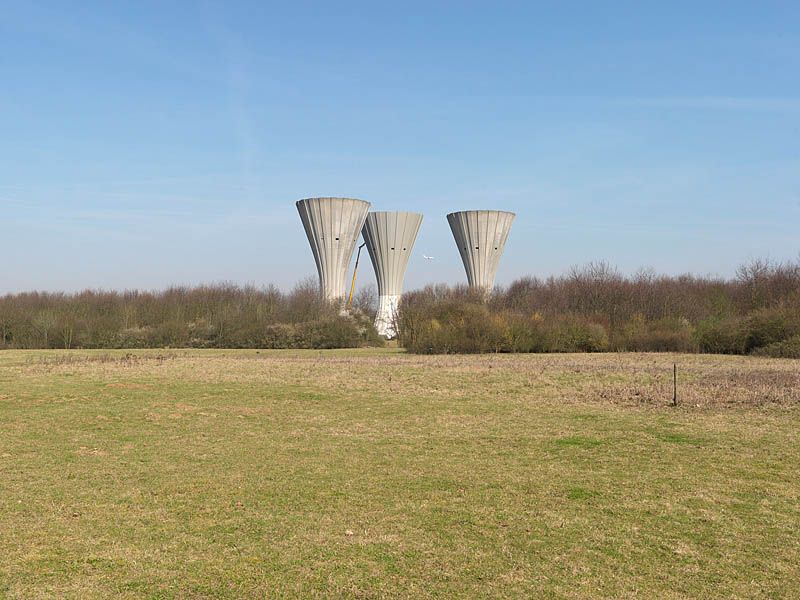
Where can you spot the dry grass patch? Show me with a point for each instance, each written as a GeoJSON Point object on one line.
{"type": "Point", "coordinates": [379, 474]}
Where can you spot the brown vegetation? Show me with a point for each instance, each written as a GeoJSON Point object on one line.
{"type": "Point", "coordinates": [595, 308]}
{"type": "Point", "coordinates": [590, 309]}
{"type": "Point", "coordinates": [218, 316]}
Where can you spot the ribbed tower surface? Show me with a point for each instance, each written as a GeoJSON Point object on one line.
{"type": "Point", "coordinates": [332, 226]}
{"type": "Point", "coordinates": [481, 237]}
{"type": "Point", "coordinates": [390, 237]}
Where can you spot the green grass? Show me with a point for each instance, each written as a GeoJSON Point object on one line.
{"type": "Point", "coordinates": [579, 493]}
{"type": "Point", "coordinates": [578, 442]}
{"type": "Point", "coordinates": [185, 474]}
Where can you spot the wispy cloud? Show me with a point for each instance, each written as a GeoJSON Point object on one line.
{"type": "Point", "coordinates": [239, 81]}
{"type": "Point", "coordinates": [787, 104]}
{"type": "Point", "coordinates": [200, 178]}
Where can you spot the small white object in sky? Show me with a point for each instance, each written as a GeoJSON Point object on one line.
{"type": "Point", "coordinates": [426, 257]}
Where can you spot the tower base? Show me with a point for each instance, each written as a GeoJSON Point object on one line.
{"type": "Point", "coordinates": [386, 316]}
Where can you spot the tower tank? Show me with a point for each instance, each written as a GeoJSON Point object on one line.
{"type": "Point", "coordinates": [481, 237]}
{"type": "Point", "coordinates": [332, 226]}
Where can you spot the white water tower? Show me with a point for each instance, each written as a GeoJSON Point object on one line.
{"type": "Point", "coordinates": [390, 237]}
{"type": "Point", "coordinates": [332, 226]}
{"type": "Point", "coordinates": [481, 237]}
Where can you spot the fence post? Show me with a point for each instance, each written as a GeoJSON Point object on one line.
{"type": "Point", "coordinates": [675, 384]}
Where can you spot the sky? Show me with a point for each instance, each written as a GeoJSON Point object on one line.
{"type": "Point", "coordinates": [145, 144]}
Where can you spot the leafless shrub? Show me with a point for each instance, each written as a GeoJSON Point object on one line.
{"type": "Point", "coordinates": [208, 316]}
{"type": "Point", "coordinates": [596, 308]}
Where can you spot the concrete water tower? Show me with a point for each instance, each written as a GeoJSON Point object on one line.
{"type": "Point", "coordinates": [481, 236]}
{"type": "Point", "coordinates": [332, 226]}
{"type": "Point", "coordinates": [390, 237]}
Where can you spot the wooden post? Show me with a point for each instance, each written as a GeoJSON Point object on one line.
{"type": "Point", "coordinates": [675, 384]}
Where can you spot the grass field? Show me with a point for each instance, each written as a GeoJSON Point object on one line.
{"type": "Point", "coordinates": [378, 474]}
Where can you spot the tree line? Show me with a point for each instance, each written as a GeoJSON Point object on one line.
{"type": "Point", "coordinates": [593, 308]}
{"type": "Point", "coordinates": [208, 316]}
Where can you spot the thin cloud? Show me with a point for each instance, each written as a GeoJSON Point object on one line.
{"type": "Point", "coordinates": [105, 184]}
{"type": "Point", "coordinates": [718, 103]}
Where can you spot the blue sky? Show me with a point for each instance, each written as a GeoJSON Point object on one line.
{"type": "Point", "coordinates": [151, 143]}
